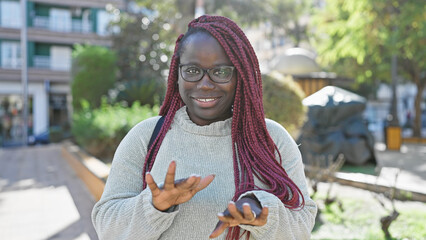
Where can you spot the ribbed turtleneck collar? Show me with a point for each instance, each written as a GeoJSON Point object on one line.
{"type": "Point", "coordinates": [220, 128]}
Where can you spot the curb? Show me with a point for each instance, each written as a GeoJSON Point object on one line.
{"type": "Point", "coordinates": [94, 173]}
{"type": "Point", "coordinates": [370, 183]}
{"type": "Point", "coordinates": [90, 170]}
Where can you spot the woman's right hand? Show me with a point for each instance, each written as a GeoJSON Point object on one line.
{"type": "Point", "coordinates": [175, 192]}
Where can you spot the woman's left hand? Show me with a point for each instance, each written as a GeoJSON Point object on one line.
{"type": "Point", "coordinates": [245, 211]}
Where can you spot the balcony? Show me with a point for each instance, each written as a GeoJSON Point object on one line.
{"type": "Point", "coordinates": [45, 62]}
{"type": "Point", "coordinates": [62, 25]}
{"type": "Point", "coordinates": [42, 62]}
{"type": "Point", "coordinates": [11, 63]}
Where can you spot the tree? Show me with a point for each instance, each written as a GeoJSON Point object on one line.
{"type": "Point", "coordinates": [358, 38]}
{"type": "Point", "coordinates": [149, 28]}
{"type": "Point", "coordinates": [285, 16]}
{"type": "Point", "coordinates": [93, 73]}
{"type": "Point", "coordinates": [144, 45]}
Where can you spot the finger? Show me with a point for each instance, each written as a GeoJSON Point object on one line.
{"type": "Point", "coordinates": [188, 183]}
{"type": "Point", "coordinates": [248, 213]}
{"type": "Point", "coordinates": [196, 182]}
{"type": "Point", "coordinates": [263, 217]}
{"type": "Point", "coordinates": [228, 219]}
{"type": "Point", "coordinates": [219, 229]}
{"type": "Point", "coordinates": [151, 184]}
{"type": "Point", "coordinates": [205, 182]}
{"type": "Point", "coordinates": [169, 182]}
{"type": "Point", "coordinates": [234, 211]}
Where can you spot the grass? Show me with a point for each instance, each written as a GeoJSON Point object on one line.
{"type": "Point", "coordinates": [368, 168]}
{"type": "Point", "coordinates": [360, 219]}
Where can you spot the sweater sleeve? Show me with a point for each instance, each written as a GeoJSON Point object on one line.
{"type": "Point", "coordinates": [284, 223]}
{"type": "Point", "coordinates": [125, 211]}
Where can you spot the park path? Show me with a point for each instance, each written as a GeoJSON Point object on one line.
{"type": "Point", "coordinates": [41, 197]}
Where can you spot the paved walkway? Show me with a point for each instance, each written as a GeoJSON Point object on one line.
{"type": "Point", "coordinates": [409, 164]}
{"type": "Point", "coordinates": [41, 197]}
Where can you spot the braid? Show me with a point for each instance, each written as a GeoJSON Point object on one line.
{"type": "Point", "coordinates": [254, 152]}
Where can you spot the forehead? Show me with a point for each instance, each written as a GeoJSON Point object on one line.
{"type": "Point", "coordinates": [201, 48]}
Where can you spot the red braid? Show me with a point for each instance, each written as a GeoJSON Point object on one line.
{"type": "Point", "coordinates": [251, 141]}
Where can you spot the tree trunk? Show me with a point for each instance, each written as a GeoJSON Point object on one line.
{"type": "Point", "coordinates": [297, 33]}
{"type": "Point", "coordinates": [417, 126]}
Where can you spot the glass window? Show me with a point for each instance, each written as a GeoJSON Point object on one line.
{"type": "Point", "coordinates": [10, 54]}
{"type": "Point", "coordinates": [10, 14]}
{"type": "Point", "coordinates": [103, 19]}
{"type": "Point", "coordinates": [11, 121]}
{"type": "Point", "coordinates": [60, 58]}
{"type": "Point", "coordinates": [60, 20]}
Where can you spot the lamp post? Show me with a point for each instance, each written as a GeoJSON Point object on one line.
{"type": "Point", "coordinates": [393, 117]}
{"type": "Point", "coordinates": [393, 130]}
{"type": "Point", "coordinates": [24, 70]}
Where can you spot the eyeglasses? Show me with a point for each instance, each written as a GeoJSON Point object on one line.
{"type": "Point", "coordinates": [194, 73]}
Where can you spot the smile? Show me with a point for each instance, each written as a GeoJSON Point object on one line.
{"type": "Point", "coordinates": [206, 99]}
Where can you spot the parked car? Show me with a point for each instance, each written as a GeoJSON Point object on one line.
{"type": "Point", "coordinates": [42, 138]}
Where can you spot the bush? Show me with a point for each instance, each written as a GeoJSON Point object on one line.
{"type": "Point", "coordinates": [282, 101]}
{"type": "Point", "coordinates": [99, 131]}
{"type": "Point", "coordinates": [146, 91]}
{"type": "Point", "coordinates": [93, 74]}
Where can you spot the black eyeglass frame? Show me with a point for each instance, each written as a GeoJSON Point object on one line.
{"type": "Point", "coordinates": [206, 71]}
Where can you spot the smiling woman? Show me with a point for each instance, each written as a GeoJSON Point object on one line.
{"type": "Point", "coordinates": [228, 172]}
{"type": "Point", "coordinates": [208, 97]}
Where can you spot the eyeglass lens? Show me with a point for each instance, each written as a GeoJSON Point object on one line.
{"type": "Point", "coordinates": [220, 74]}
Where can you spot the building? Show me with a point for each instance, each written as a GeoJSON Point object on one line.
{"type": "Point", "coordinates": [53, 27]}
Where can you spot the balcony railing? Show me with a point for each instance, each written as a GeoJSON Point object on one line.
{"type": "Point", "coordinates": [11, 63]}
{"type": "Point", "coordinates": [45, 62]}
{"type": "Point", "coordinates": [62, 25]}
{"type": "Point", "coordinates": [41, 62]}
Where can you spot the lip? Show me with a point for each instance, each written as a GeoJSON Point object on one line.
{"type": "Point", "coordinates": [206, 102]}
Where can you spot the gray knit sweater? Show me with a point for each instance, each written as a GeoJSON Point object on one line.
{"type": "Point", "coordinates": [125, 210]}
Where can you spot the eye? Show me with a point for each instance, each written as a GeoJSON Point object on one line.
{"type": "Point", "coordinates": [192, 70]}
{"type": "Point", "coordinates": [222, 72]}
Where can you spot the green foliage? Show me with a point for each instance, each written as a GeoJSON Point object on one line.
{"type": "Point", "coordinates": [283, 15]}
{"type": "Point", "coordinates": [357, 218]}
{"type": "Point", "coordinates": [282, 101]}
{"type": "Point", "coordinates": [100, 130]}
{"type": "Point", "coordinates": [144, 46]}
{"type": "Point", "coordinates": [147, 36]}
{"type": "Point", "coordinates": [359, 38]}
{"type": "Point", "coordinates": [148, 92]}
{"type": "Point", "coordinates": [362, 35]}
{"type": "Point", "coordinates": [93, 74]}
{"type": "Point", "coordinates": [409, 225]}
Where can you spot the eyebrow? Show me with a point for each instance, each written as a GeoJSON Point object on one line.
{"type": "Point", "coordinates": [216, 65]}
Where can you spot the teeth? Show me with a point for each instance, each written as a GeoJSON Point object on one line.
{"type": "Point", "coordinates": [206, 99]}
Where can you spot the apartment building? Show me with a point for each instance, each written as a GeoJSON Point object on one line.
{"type": "Point", "coordinates": [53, 27]}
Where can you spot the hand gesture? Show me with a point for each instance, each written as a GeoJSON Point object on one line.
{"type": "Point", "coordinates": [245, 211]}
{"type": "Point", "coordinates": [175, 192]}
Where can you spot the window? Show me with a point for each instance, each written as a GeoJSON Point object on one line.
{"type": "Point", "coordinates": [60, 20]}
{"type": "Point", "coordinates": [103, 19]}
{"type": "Point", "coordinates": [10, 14]}
{"type": "Point", "coordinates": [10, 54]}
{"type": "Point", "coordinates": [60, 58]}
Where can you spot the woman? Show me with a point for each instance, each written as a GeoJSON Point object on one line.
{"type": "Point", "coordinates": [253, 183]}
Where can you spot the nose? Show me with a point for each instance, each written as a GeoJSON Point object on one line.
{"type": "Point", "coordinates": [206, 82]}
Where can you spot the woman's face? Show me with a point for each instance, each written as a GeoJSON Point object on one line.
{"type": "Point", "coordinates": [207, 101]}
